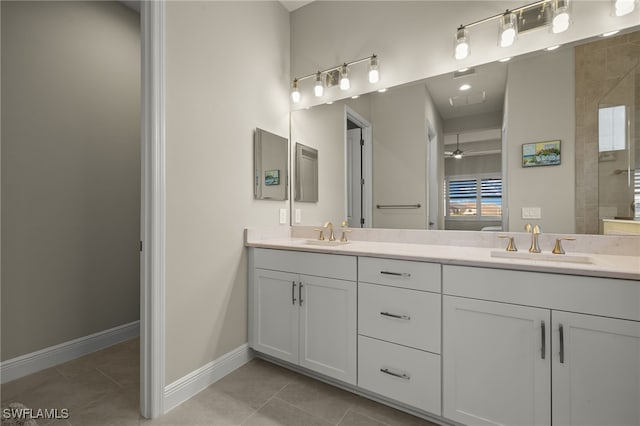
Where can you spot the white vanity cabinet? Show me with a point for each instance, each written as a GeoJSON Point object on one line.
{"type": "Point", "coordinates": [399, 325]}
{"type": "Point", "coordinates": [514, 354]}
{"type": "Point", "coordinates": [303, 310]}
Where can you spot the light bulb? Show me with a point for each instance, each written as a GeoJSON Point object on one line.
{"type": "Point", "coordinates": [344, 78]}
{"type": "Point", "coordinates": [374, 73]}
{"type": "Point", "coordinates": [462, 44]}
{"type": "Point", "coordinates": [508, 29]}
{"type": "Point", "coordinates": [318, 89]}
{"type": "Point", "coordinates": [560, 22]}
{"type": "Point", "coordinates": [624, 7]}
{"type": "Point", "coordinates": [295, 92]}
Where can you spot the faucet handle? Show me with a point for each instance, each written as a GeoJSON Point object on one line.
{"type": "Point", "coordinates": [345, 224]}
{"type": "Point", "coordinates": [511, 246]}
{"type": "Point", "coordinates": [344, 235]}
{"type": "Point", "coordinates": [557, 249]}
{"type": "Point", "coordinates": [321, 235]}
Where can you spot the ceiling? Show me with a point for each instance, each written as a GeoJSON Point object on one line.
{"type": "Point", "coordinates": [292, 5]}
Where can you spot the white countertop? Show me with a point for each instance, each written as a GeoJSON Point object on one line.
{"type": "Point", "coordinates": [602, 265]}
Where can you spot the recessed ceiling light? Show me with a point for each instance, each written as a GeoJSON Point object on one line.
{"type": "Point", "coordinates": [549, 49]}
{"type": "Point", "coordinates": [465, 87]}
{"type": "Point", "coordinates": [463, 70]}
{"type": "Point", "coordinates": [355, 96]}
{"type": "Point", "coordinates": [329, 103]}
{"type": "Point", "coordinates": [382, 90]}
{"type": "Point", "coordinates": [610, 33]}
{"type": "Point", "coordinates": [505, 59]}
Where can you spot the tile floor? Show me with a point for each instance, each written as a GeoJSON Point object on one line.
{"type": "Point", "coordinates": [101, 389]}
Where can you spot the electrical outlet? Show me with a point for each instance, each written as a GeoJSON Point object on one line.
{"type": "Point", "coordinates": [283, 216]}
{"type": "Point", "coordinates": [531, 213]}
{"type": "Point", "coordinates": [298, 215]}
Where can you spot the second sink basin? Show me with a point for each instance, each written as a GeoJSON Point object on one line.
{"type": "Point", "coordinates": [571, 258]}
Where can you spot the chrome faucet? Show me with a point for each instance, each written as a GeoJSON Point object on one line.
{"type": "Point", "coordinates": [329, 225]}
{"type": "Point", "coordinates": [535, 231]}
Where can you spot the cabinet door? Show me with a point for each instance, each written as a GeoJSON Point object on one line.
{"type": "Point", "coordinates": [596, 381]}
{"type": "Point", "coordinates": [496, 367]}
{"type": "Point", "coordinates": [276, 314]}
{"type": "Point", "coordinates": [328, 327]}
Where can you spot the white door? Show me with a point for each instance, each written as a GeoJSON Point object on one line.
{"type": "Point", "coordinates": [354, 178]}
{"type": "Point", "coordinates": [328, 327]}
{"type": "Point", "coordinates": [276, 305]}
{"type": "Point", "coordinates": [596, 370]}
{"type": "Point", "coordinates": [496, 367]}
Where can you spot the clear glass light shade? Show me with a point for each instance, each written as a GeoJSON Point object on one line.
{"type": "Point", "coordinates": [461, 48]}
{"type": "Point", "coordinates": [345, 84]}
{"type": "Point", "coordinates": [374, 72]}
{"type": "Point", "coordinates": [295, 92]}
{"type": "Point", "coordinates": [457, 154]}
{"type": "Point", "coordinates": [318, 89]}
{"type": "Point", "coordinates": [508, 30]}
{"type": "Point", "coordinates": [624, 7]}
{"type": "Point", "coordinates": [560, 22]}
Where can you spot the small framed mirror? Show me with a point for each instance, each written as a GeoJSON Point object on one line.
{"type": "Point", "coordinates": [306, 174]}
{"type": "Point", "coordinates": [271, 172]}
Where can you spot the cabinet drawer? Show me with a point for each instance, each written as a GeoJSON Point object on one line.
{"type": "Point", "coordinates": [400, 273]}
{"type": "Point", "coordinates": [408, 317]}
{"type": "Point", "coordinates": [317, 264]}
{"type": "Point", "coordinates": [407, 375]}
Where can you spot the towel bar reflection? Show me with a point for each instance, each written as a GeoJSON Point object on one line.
{"type": "Point", "coordinates": [398, 206]}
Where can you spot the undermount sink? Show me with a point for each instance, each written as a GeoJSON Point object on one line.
{"type": "Point", "coordinates": [326, 242]}
{"type": "Point", "coordinates": [571, 258]}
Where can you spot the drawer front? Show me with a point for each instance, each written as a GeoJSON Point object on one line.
{"type": "Point", "coordinates": [608, 297]}
{"type": "Point", "coordinates": [317, 264]}
{"type": "Point", "coordinates": [407, 375]}
{"type": "Point", "coordinates": [400, 273]}
{"type": "Point", "coordinates": [408, 317]}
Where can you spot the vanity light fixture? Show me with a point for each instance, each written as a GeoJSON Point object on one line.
{"type": "Point", "coordinates": [623, 7]}
{"type": "Point", "coordinates": [508, 29]}
{"type": "Point", "coordinates": [374, 73]}
{"type": "Point", "coordinates": [550, 48]}
{"type": "Point", "coordinates": [560, 22]}
{"type": "Point", "coordinates": [295, 91]}
{"type": "Point", "coordinates": [345, 84]}
{"type": "Point", "coordinates": [318, 89]}
{"type": "Point", "coordinates": [514, 21]}
{"type": "Point", "coordinates": [337, 75]}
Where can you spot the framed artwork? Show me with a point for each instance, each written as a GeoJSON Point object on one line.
{"type": "Point", "coordinates": [272, 177]}
{"type": "Point", "coordinates": [541, 154]}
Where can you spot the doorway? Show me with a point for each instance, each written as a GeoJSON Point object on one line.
{"type": "Point", "coordinates": [359, 179]}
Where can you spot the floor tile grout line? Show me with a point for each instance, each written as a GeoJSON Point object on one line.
{"type": "Point", "coordinates": [109, 377]}
{"type": "Point", "coordinates": [303, 410]}
{"type": "Point", "coordinates": [344, 415]}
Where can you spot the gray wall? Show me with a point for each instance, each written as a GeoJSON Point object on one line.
{"type": "Point", "coordinates": [70, 171]}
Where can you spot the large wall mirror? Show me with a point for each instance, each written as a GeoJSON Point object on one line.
{"type": "Point", "coordinates": [406, 174]}
{"type": "Point", "coordinates": [270, 160]}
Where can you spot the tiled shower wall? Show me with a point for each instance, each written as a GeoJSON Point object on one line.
{"type": "Point", "coordinates": [600, 67]}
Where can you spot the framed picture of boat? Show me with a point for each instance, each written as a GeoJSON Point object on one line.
{"type": "Point", "coordinates": [541, 154]}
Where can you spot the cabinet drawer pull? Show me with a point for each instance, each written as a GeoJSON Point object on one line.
{"type": "Point", "coordinates": [399, 375]}
{"type": "Point", "coordinates": [561, 330]}
{"type": "Point", "coordinates": [402, 317]}
{"type": "Point", "coordinates": [300, 293]}
{"type": "Point", "coordinates": [543, 347]}
{"type": "Point", "coordinates": [293, 292]}
{"type": "Point", "coordinates": [396, 274]}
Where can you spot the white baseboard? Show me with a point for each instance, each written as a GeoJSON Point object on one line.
{"type": "Point", "coordinates": [24, 365]}
{"type": "Point", "coordinates": [185, 387]}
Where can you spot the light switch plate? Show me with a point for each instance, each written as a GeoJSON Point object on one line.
{"type": "Point", "coordinates": [531, 213]}
{"type": "Point", "coordinates": [283, 216]}
{"type": "Point", "coordinates": [298, 215]}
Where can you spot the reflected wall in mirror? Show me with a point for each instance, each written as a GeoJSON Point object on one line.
{"type": "Point", "coordinates": [270, 162]}
{"type": "Point", "coordinates": [306, 174]}
{"type": "Point", "coordinates": [416, 127]}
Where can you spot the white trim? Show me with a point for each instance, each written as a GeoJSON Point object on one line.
{"type": "Point", "coordinates": [152, 258]}
{"type": "Point", "coordinates": [367, 163]}
{"type": "Point", "coordinates": [188, 386]}
{"type": "Point", "coordinates": [24, 365]}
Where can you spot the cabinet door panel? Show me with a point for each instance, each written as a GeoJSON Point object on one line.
{"type": "Point", "coordinates": [328, 327]}
{"type": "Point", "coordinates": [598, 382]}
{"type": "Point", "coordinates": [493, 369]}
{"type": "Point", "coordinates": [276, 315]}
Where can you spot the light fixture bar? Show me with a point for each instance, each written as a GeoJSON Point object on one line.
{"type": "Point", "coordinates": [499, 15]}
{"type": "Point", "coordinates": [337, 67]}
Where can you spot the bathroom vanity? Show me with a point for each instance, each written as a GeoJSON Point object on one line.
{"type": "Point", "coordinates": [450, 332]}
